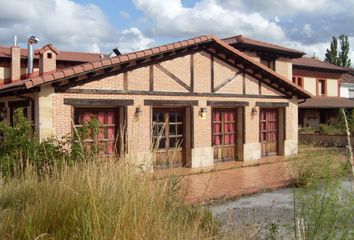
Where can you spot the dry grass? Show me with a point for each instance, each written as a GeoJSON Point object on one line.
{"type": "Point", "coordinates": [91, 201]}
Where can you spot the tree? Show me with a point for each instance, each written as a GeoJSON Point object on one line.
{"type": "Point", "coordinates": [332, 53]}
{"type": "Point", "coordinates": [343, 55]}
{"type": "Point", "coordinates": [339, 58]}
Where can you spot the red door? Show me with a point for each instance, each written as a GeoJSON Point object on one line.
{"type": "Point", "coordinates": [269, 131]}
{"type": "Point", "coordinates": [106, 139]}
{"type": "Point", "coordinates": [224, 134]}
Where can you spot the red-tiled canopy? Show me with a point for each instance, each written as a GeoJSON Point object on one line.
{"type": "Point", "coordinates": [327, 102]}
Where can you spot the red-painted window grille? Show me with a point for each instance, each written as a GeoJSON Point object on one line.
{"type": "Point", "coordinates": [224, 127]}
{"type": "Point", "coordinates": [269, 125]}
{"type": "Point", "coordinates": [107, 136]}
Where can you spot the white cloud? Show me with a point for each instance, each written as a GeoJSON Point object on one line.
{"type": "Point", "coordinates": [172, 19]}
{"type": "Point", "coordinates": [66, 24]}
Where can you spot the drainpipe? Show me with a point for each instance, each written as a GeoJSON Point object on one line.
{"type": "Point", "coordinates": [303, 100]}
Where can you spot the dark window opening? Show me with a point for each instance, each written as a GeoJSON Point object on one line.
{"type": "Point", "coordinates": [270, 63]}
{"type": "Point", "coordinates": [322, 87]}
{"type": "Point", "coordinates": [167, 129]}
{"type": "Point", "coordinates": [49, 55]}
{"type": "Point", "coordinates": [298, 81]}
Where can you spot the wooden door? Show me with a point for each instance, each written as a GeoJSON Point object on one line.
{"type": "Point", "coordinates": [168, 137]}
{"type": "Point", "coordinates": [224, 134]}
{"type": "Point", "coordinates": [269, 131]}
{"type": "Point", "coordinates": [106, 140]}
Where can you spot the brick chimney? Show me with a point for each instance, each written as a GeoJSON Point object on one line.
{"type": "Point", "coordinates": [47, 58]}
{"type": "Point", "coordinates": [15, 63]}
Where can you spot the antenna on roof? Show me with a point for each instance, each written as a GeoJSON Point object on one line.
{"type": "Point", "coordinates": [15, 41]}
{"type": "Point", "coordinates": [116, 51]}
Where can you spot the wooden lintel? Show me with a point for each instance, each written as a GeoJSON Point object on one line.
{"type": "Point", "coordinates": [227, 103]}
{"type": "Point", "coordinates": [98, 102]}
{"type": "Point", "coordinates": [170, 103]}
{"type": "Point", "coordinates": [272, 104]}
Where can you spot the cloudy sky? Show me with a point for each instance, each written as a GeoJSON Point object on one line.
{"type": "Point", "coordinates": [100, 25]}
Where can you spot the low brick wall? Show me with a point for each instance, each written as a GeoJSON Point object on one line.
{"type": "Point", "coordinates": [324, 140]}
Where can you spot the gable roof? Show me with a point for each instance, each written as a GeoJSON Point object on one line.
{"type": "Point", "coordinates": [46, 48]}
{"type": "Point", "coordinates": [312, 63]}
{"type": "Point", "coordinates": [207, 42]}
{"type": "Point", "coordinates": [80, 57]}
{"type": "Point", "coordinates": [244, 43]}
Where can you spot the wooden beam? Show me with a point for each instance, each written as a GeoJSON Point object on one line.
{"type": "Point", "coordinates": [176, 94]}
{"type": "Point", "coordinates": [192, 72]}
{"type": "Point", "coordinates": [212, 73]}
{"type": "Point", "coordinates": [272, 104]}
{"type": "Point", "coordinates": [151, 78]}
{"type": "Point", "coordinates": [98, 102]}
{"type": "Point", "coordinates": [227, 103]}
{"type": "Point", "coordinates": [125, 81]}
{"type": "Point", "coordinates": [173, 77]}
{"type": "Point", "coordinates": [170, 103]}
{"type": "Point", "coordinates": [227, 81]}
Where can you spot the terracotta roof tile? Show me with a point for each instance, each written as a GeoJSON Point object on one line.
{"type": "Point", "coordinates": [106, 62]}
{"type": "Point", "coordinates": [309, 62]}
{"type": "Point", "coordinates": [97, 64]}
{"type": "Point", "coordinates": [162, 48]}
{"type": "Point", "coordinates": [124, 58]}
{"type": "Point", "coordinates": [239, 41]}
{"type": "Point", "coordinates": [327, 102]}
{"type": "Point", "coordinates": [49, 77]}
{"type": "Point", "coordinates": [37, 80]}
{"type": "Point", "coordinates": [87, 66]}
{"type": "Point", "coordinates": [46, 48]}
{"type": "Point", "coordinates": [184, 43]}
{"type": "Point", "coordinates": [115, 60]}
{"type": "Point", "coordinates": [177, 45]}
{"type": "Point", "coordinates": [65, 56]}
{"type": "Point", "coordinates": [57, 75]}
{"type": "Point", "coordinates": [78, 69]}
{"type": "Point", "coordinates": [140, 54]}
{"type": "Point", "coordinates": [155, 50]}
{"type": "Point", "coordinates": [170, 47]}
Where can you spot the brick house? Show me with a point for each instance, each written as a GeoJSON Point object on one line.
{"type": "Point", "coordinates": [323, 80]}
{"type": "Point", "coordinates": [200, 100]}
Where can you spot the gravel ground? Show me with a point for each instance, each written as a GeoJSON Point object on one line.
{"type": "Point", "coordinates": [258, 212]}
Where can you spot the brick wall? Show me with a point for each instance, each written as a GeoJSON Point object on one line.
{"type": "Point", "coordinates": [139, 127]}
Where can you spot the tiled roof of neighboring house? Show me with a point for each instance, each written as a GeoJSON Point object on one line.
{"type": "Point", "coordinates": [81, 57]}
{"type": "Point", "coordinates": [347, 78]}
{"type": "Point", "coordinates": [309, 62]}
{"type": "Point", "coordinates": [327, 102]}
{"type": "Point", "coordinates": [243, 42]}
{"type": "Point", "coordinates": [143, 55]}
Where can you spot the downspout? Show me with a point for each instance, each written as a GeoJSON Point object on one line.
{"type": "Point", "coordinates": [303, 100]}
{"type": "Point", "coordinates": [32, 106]}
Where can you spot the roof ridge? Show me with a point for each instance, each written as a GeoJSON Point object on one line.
{"type": "Point", "coordinates": [133, 56]}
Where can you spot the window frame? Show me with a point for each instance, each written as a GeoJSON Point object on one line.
{"type": "Point", "coordinates": [323, 86]}
{"type": "Point", "coordinates": [296, 81]}
{"type": "Point", "coordinates": [167, 136]}
{"type": "Point", "coordinates": [115, 125]}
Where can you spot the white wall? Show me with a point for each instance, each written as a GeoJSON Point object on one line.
{"type": "Point", "coordinates": [344, 89]}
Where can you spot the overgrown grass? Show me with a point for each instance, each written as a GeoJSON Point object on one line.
{"type": "Point", "coordinates": [106, 201]}
{"type": "Point", "coordinates": [322, 208]}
